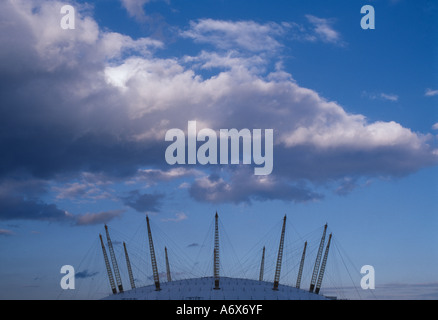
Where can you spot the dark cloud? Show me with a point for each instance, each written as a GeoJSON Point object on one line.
{"type": "Point", "coordinates": [18, 208]}
{"type": "Point", "coordinates": [321, 165]}
{"type": "Point", "coordinates": [20, 199]}
{"type": "Point", "coordinates": [243, 186]}
{"type": "Point", "coordinates": [143, 202]}
{"type": "Point", "coordinates": [47, 152]}
{"type": "Point", "coordinates": [85, 274]}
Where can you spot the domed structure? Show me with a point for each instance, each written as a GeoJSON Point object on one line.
{"type": "Point", "coordinates": [203, 289]}
{"type": "Point", "coordinates": [216, 287]}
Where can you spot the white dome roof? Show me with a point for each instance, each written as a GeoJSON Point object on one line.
{"type": "Point", "coordinates": [203, 289]}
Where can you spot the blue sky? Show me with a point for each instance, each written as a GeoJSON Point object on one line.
{"type": "Point", "coordinates": [84, 114]}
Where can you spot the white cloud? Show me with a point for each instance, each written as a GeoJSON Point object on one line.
{"type": "Point", "coordinates": [247, 35]}
{"type": "Point", "coordinates": [43, 39]}
{"type": "Point", "coordinates": [352, 132]}
{"type": "Point", "coordinates": [113, 45]}
{"type": "Point", "coordinates": [390, 97]}
{"type": "Point", "coordinates": [381, 96]}
{"type": "Point", "coordinates": [228, 60]}
{"type": "Point", "coordinates": [135, 8]}
{"type": "Point", "coordinates": [323, 30]}
{"type": "Point", "coordinates": [260, 38]}
{"type": "Point", "coordinates": [180, 216]}
{"type": "Point", "coordinates": [431, 93]}
{"type": "Point", "coordinates": [80, 192]}
{"type": "Point", "coordinates": [435, 126]}
{"type": "Point", "coordinates": [154, 176]}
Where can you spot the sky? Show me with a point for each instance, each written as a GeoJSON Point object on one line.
{"type": "Point", "coordinates": [85, 112]}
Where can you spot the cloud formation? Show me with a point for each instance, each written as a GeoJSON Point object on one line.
{"type": "Point", "coordinates": [228, 35]}
{"type": "Point", "coordinates": [243, 187]}
{"type": "Point", "coordinates": [85, 274]}
{"type": "Point", "coordinates": [21, 200]}
{"type": "Point", "coordinates": [100, 102]}
{"type": "Point", "coordinates": [19, 207]}
{"type": "Point", "coordinates": [431, 93]}
{"type": "Point", "coordinates": [135, 8]}
{"type": "Point", "coordinates": [143, 202]}
{"type": "Point", "coordinates": [154, 176]}
{"type": "Point", "coordinates": [180, 216]}
{"type": "Point", "coordinates": [97, 218]}
{"type": "Point", "coordinates": [381, 96]}
{"type": "Point", "coordinates": [390, 97]}
{"type": "Point", "coordinates": [5, 232]}
{"type": "Point", "coordinates": [323, 30]}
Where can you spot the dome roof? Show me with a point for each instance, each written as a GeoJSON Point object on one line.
{"type": "Point", "coordinates": [203, 289]}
